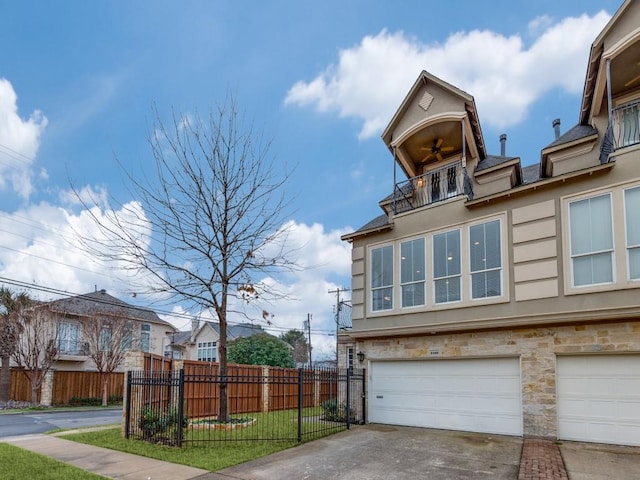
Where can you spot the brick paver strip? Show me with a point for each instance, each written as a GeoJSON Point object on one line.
{"type": "Point", "coordinates": [541, 460]}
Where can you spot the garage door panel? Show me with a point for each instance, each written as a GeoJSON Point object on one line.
{"type": "Point", "coordinates": [599, 398]}
{"type": "Point", "coordinates": [480, 395]}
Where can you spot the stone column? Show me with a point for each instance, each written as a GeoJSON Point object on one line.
{"type": "Point", "coordinates": [46, 390]}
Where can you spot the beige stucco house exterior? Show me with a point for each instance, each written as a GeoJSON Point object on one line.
{"type": "Point", "coordinates": [148, 330]}
{"type": "Point", "coordinates": [501, 298]}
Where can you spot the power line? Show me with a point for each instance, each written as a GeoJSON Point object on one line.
{"type": "Point", "coordinates": [67, 294]}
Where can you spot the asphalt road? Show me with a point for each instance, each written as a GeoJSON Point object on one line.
{"type": "Point", "coordinates": [26, 423]}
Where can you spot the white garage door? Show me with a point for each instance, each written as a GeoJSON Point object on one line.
{"type": "Point", "coordinates": [478, 395]}
{"type": "Point", "coordinates": [599, 398]}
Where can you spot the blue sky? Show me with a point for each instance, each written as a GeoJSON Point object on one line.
{"type": "Point", "coordinates": [78, 81]}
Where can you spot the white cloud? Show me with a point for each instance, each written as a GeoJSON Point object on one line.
{"type": "Point", "coordinates": [19, 142]}
{"type": "Point", "coordinates": [40, 245]}
{"type": "Point", "coordinates": [504, 76]}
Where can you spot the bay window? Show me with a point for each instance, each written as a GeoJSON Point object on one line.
{"type": "Point", "coordinates": [446, 267]}
{"type": "Point", "coordinates": [591, 234]}
{"type": "Point", "coordinates": [412, 276]}
{"type": "Point", "coordinates": [382, 278]}
{"type": "Point", "coordinates": [485, 260]}
{"type": "Point", "coordinates": [632, 221]}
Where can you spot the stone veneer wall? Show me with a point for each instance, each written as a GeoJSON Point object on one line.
{"type": "Point", "coordinates": [537, 349]}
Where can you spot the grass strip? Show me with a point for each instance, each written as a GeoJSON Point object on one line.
{"type": "Point", "coordinates": [20, 464]}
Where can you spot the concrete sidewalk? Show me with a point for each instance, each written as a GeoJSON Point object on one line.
{"type": "Point", "coordinates": [103, 461]}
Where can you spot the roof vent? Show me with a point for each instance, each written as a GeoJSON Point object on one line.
{"type": "Point", "coordinates": [556, 128]}
{"type": "Point", "coordinates": [503, 144]}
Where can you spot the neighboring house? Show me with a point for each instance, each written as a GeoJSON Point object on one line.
{"type": "Point", "coordinates": [500, 298]}
{"type": "Point", "coordinates": [201, 342]}
{"type": "Point", "coordinates": [148, 330]}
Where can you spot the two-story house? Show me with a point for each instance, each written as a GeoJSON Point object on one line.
{"type": "Point", "coordinates": [500, 298]}
{"type": "Point", "coordinates": [148, 330]}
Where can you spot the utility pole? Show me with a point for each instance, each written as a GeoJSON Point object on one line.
{"type": "Point", "coordinates": [338, 309]}
{"type": "Point", "coordinates": [307, 327]}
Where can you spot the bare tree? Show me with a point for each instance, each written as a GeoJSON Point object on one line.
{"type": "Point", "coordinates": [210, 222]}
{"type": "Point", "coordinates": [37, 349]}
{"type": "Point", "coordinates": [106, 341]}
{"type": "Point", "coordinates": [11, 306]}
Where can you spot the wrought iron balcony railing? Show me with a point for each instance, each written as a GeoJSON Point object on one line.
{"type": "Point", "coordinates": [433, 186]}
{"type": "Point", "coordinates": [626, 125]}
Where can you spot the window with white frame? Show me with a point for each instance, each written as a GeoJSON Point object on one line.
{"type": "Point", "coordinates": [591, 234]}
{"type": "Point", "coordinates": [632, 221]}
{"type": "Point", "coordinates": [412, 268]}
{"type": "Point", "coordinates": [382, 278]}
{"type": "Point", "coordinates": [105, 339]}
{"type": "Point", "coordinates": [446, 267]}
{"type": "Point", "coordinates": [207, 351]}
{"type": "Point", "coordinates": [68, 338]}
{"type": "Point", "coordinates": [485, 260]}
{"type": "Point", "coordinates": [145, 337]}
{"type": "Point", "coordinates": [350, 357]}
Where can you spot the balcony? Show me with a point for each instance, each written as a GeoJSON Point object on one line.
{"type": "Point", "coordinates": [430, 187]}
{"type": "Point", "coordinates": [626, 125]}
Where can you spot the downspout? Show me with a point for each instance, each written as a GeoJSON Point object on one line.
{"type": "Point", "coordinates": [394, 176]}
{"type": "Point", "coordinates": [607, 145]}
{"type": "Point", "coordinates": [466, 181]}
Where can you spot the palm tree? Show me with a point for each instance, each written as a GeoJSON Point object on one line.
{"type": "Point", "coordinates": [11, 304]}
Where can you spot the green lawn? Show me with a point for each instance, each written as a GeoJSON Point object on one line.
{"type": "Point", "coordinates": [217, 455]}
{"type": "Point", "coordinates": [209, 456]}
{"type": "Point", "coordinates": [20, 464]}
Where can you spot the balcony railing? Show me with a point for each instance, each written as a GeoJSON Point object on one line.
{"type": "Point", "coordinates": [626, 125]}
{"type": "Point", "coordinates": [431, 187]}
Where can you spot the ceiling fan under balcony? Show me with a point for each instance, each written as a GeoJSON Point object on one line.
{"type": "Point", "coordinates": [436, 150]}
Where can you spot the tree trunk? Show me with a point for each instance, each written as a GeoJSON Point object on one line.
{"type": "Point", "coordinates": [34, 387]}
{"type": "Point", "coordinates": [105, 383]}
{"type": "Point", "coordinates": [223, 411]}
{"type": "Point", "coordinates": [5, 379]}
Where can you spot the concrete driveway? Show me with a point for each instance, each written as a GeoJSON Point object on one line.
{"type": "Point", "coordinates": [593, 461]}
{"type": "Point", "coordinates": [383, 452]}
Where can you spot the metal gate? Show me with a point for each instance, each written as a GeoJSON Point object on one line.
{"type": "Point", "coordinates": [264, 404]}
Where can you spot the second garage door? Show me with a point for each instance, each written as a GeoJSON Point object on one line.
{"type": "Point", "coordinates": [478, 395]}
{"type": "Point", "coordinates": [599, 398]}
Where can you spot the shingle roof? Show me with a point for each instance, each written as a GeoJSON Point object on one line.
{"type": "Point", "coordinates": [237, 331]}
{"type": "Point", "coordinates": [101, 303]}
{"type": "Point", "coordinates": [575, 133]}
{"type": "Point", "coordinates": [491, 161]}
{"type": "Point", "coordinates": [531, 173]}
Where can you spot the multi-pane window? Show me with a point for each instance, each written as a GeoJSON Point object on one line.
{"type": "Point", "coordinates": [69, 338]}
{"type": "Point", "coordinates": [145, 337]}
{"type": "Point", "coordinates": [350, 357]}
{"type": "Point", "coordinates": [207, 351]}
{"type": "Point", "coordinates": [446, 267]}
{"type": "Point", "coordinates": [382, 278]}
{"type": "Point", "coordinates": [485, 260]}
{"type": "Point", "coordinates": [632, 218]}
{"type": "Point", "coordinates": [412, 267]}
{"type": "Point", "coordinates": [105, 339]}
{"type": "Point", "coordinates": [591, 232]}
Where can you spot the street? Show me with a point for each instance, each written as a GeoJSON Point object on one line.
{"type": "Point", "coordinates": [25, 423]}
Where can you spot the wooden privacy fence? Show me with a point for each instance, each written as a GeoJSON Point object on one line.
{"type": "Point", "coordinates": [65, 385]}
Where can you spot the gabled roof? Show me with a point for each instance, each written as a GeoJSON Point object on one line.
{"type": "Point", "coordinates": [493, 161]}
{"type": "Point", "coordinates": [379, 223]}
{"type": "Point", "coordinates": [233, 331]}
{"type": "Point", "coordinates": [101, 303]}
{"type": "Point", "coordinates": [576, 133]}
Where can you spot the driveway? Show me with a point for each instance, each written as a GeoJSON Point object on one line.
{"type": "Point", "coordinates": [382, 452]}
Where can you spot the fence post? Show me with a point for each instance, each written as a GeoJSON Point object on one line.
{"type": "Point", "coordinates": [127, 399]}
{"type": "Point", "coordinates": [180, 407]}
{"type": "Point", "coordinates": [266, 386]}
{"type": "Point", "coordinates": [300, 405]}
{"type": "Point", "coordinates": [46, 390]}
{"type": "Point", "coordinates": [364, 396]}
{"type": "Point", "coordinates": [348, 408]}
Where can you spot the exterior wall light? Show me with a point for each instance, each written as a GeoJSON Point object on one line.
{"type": "Point", "coordinates": [360, 356]}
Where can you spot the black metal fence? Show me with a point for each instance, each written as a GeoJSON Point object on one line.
{"type": "Point", "coordinates": [263, 404]}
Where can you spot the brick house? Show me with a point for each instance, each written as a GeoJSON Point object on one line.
{"type": "Point", "coordinates": [500, 298]}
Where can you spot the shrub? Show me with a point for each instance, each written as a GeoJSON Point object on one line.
{"type": "Point", "coordinates": [85, 401]}
{"type": "Point", "coordinates": [154, 422]}
{"type": "Point", "coordinates": [332, 411]}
